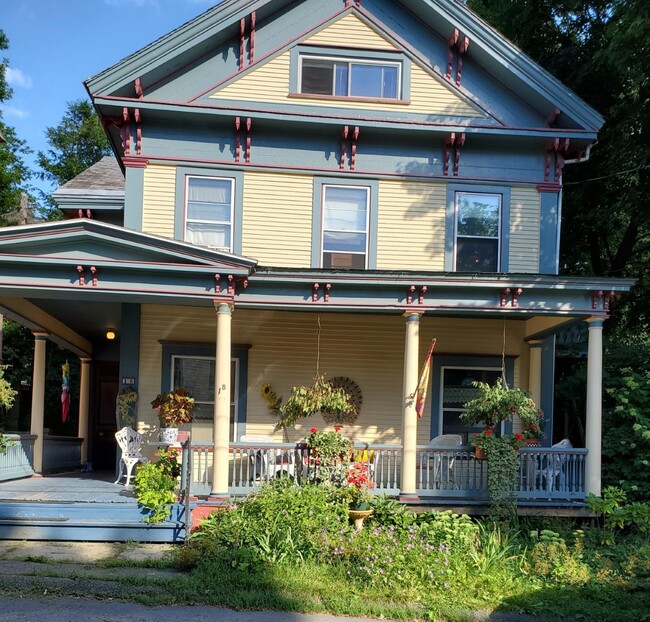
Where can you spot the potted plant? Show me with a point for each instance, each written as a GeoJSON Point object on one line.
{"type": "Point", "coordinates": [330, 454]}
{"type": "Point", "coordinates": [174, 409]}
{"type": "Point", "coordinates": [359, 486]}
{"type": "Point", "coordinates": [155, 485]}
{"type": "Point", "coordinates": [306, 400]}
{"type": "Point", "coordinates": [480, 443]}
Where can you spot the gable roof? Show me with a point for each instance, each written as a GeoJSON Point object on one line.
{"type": "Point", "coordinates": [488, 48]}
{"type": "Point", "coordinates": [103, 175]}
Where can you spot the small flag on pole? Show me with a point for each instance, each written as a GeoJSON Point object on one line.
{"type": "Point", "coordinates": [421, 391]}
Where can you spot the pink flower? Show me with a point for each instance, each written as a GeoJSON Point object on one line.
{"type": "Point", "coordinates": [313, 430]}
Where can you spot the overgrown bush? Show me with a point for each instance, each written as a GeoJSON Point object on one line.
{"type": "Point", "coordinates": [155, 483]}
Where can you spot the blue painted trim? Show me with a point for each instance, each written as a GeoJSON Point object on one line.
{"type": "Point", "coordinates": [549, 227]}
{"type": "Point", "coordinates": [450, 221]}
{"type": "Point", "coordinates": [182, 172]}
{"type": "Point", "coordinates": [133, 197]}
{"type": "Point", "coordinates": [547, 399]}
{"type": "Point", "coordinates": [595, 322]}
{"type": "Point", "coordinates": [469, 361]}
{"type": "Point", "coordinates": [317, 216]}
{"type": "Point", "coordinates": [208, 351]}
{"type": "Point", "coordinates": [350, 54]}
{"type": "Point", "coordinates": [130, 344]}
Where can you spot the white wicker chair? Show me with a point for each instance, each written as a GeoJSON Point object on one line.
{"type": "Point", "coordinates": [130, 442]}
{"type": "Point", "coordinates": [554, 471]}
{"type": "Point", "coordinates": [444, 461]}
{"type": "Point", "coordinates": [266, 463]}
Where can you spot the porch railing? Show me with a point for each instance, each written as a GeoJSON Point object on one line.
{"type": "Point", "coordinates": [444, 474]}
{"type": "Point", "coordinates": [17, 461]}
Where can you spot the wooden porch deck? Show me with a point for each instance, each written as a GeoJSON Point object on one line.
{"type": "Point", "coordinates": [79, 507]}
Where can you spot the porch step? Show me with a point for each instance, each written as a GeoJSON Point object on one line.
{"type": "Point", "coordinates": [87, 522]}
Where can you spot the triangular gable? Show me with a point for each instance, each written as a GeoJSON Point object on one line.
{"type": "Point", "coordinates": [90, 242]}
{"type": "Point", "coordinates": [270, 81]}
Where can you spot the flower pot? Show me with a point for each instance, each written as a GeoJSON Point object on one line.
{"type": "Point", "coordinates": [480, 453]}
{"type": "Point", "coordinates": [532, 442]}
{"type": "Point", "coordinates": [168, 435]}
{"type": "Point", "coordinates": [358, 517]}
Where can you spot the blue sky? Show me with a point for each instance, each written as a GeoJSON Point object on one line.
{"type": "Point", "coordinates": [54, 45]}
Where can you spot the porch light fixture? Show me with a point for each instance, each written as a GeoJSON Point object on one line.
{"type": "Point", "coordinates": [110, 334]}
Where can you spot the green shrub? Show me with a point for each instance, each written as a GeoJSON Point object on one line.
{"type": "Point", "coordinates": [457, 531]}
{"type": "Point", "coordinates": [551, 559]}
{"type": "Point", "coordinates": [282, 523]}
{"type": "Point", "coordinates": [155, 485]}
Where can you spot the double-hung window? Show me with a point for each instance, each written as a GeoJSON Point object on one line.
{"type": "Point", "coordinates": [478, 232]}
{"type": "Point", "coordinates": [196, 374]}
{"type": "Point", "coordinates": [209, 212]}
{"type": "Point", "coordinates": [345, 77]}
{"type": "Point", "coordinates": [345, 227]}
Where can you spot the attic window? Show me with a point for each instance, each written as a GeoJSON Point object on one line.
{"type": "Point", "coordinates": [209, 212]}
{"type": "Point", "coordinates": [347, 77]}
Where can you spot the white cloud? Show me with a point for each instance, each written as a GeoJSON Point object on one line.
{"type": "Point", "coordinates": [16, 77]}
{"type": "Point", "coordinates": [12, 111]}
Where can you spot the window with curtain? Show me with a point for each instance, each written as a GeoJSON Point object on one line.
{"type": "Point", "coordinates": [209, 212]}
{"type": "Point", "coordinates": [478, 232]}
{"type": "Point", "coordinates": [196, 374]}
{"type": "Point", "coordinates": [345, 227]}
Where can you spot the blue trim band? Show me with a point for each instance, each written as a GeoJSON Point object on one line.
{"type": "Point", "coordinates": [549, 224]}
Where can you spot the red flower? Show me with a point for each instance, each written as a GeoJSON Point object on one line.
{"type": "Point", "coordinates": [519, 437]}
{"type": "Point", "coordinates": [337, 428]}
{"type": "Point", "coordinates": [313, 430]}
{"type": "Point", "coordinates": [488, 432]}
{"type": "Point", "coordinates": [533, 428]}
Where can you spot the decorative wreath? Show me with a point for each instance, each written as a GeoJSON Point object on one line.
{"type": "Point", "coordinates": [356, 398]}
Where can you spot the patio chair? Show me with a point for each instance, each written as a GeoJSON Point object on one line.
{"type": "Point", "coordinates": [268, 463]}
{"type": "Point", "coordinates": [129, 442]}
{"type": "Point", "coordinates": [444, 462]}
{"type": "Point", "coordinates": [554, 471]}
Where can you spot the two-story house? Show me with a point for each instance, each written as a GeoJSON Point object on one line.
{"type": "Point", "coordinates": [306, 183]}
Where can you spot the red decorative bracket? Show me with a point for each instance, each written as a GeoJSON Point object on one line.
{"type": "Point", "coordinates": [505, 294]}
{"type": "Point", "coordinates": [242, 42]}
{"type": "Point", "coordinates": [423, 290]}
{"type": "Point", "coordinates": [409, 295]}
{"type": "Point", "coordinates": [515, 296]}
{"type": "Point", "coordinates": [456, 141]}
{"type": "Point", "coordinates": [453, 40]}
{"type": "Point", "coordinates": [559, 147]}
{"type": "Point", "coordinates": [328, 288]}
{"type": "Point", "coordinates": [80, 212]}
{"type": "Point", "coordinates": [125, 132]}
{"type": "Point", "coordinates": [249, 125]}
{"type": "Point", "coordinates": [138, 88]}
{"type": "Point", "coordinates": [82, 278]}
{"type": "Point", "coordinates": [93, 271]}
{"type": "Point", "coordinates": [238, 139]}
{"type": "Point", "coordinates": [314, 295]}
{"type": "Point", "coordinates": [596, 297]}
{"type": "Point", "coordinates": [460, 142]}
{"type": "Point", "coordinates": [217, 279]}
{"type": "Point", "coordinates": [89, 214]}
{"type": "Point", "coordinates": [138, 120]}
{"type": "Point", "coordinates": [231, 285]}
{"type": "Point", "coordinates": [462, 48]}
{"type": "Point", "coordinates": [344, 138]}
{"type": "Point", "coordinates": [553, 118]}
{"type": "Point", "coordinates": [609, 298]}
{"type": "Point", "coordinates": [251, 41]}
{"type": "Point", "coordinates": [353, 159]}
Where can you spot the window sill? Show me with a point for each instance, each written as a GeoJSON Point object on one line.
{"type": "Point", "coordinates": [368, 100]}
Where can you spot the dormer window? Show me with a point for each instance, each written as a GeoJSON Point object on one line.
{"type": "Point", "coordinates": [349, 77]}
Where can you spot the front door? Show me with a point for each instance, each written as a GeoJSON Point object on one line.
{"type": "Point", "coordinates": [104, 425]}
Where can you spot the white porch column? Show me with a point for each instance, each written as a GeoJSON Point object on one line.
{"type": "Point", "coordinates": [535, 370]}
{"type": "Point", "coordinates": [38, 398]}
{"type": "Point", "coordinates": [409, 415]}
{"type": "Point", "coordinates": [84, 406]}
{"type": "Point", "coordinates": [594, 406]}
{"type": "Point", "coordinates": [222, 389]}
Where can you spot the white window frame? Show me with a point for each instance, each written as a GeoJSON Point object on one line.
{"type": "Point", "coordinates": [231, 222]}
{"type": "Point", "coordinates": [368, 190]}
{"type": "Point", "coordinates": [498, 238]}
{"type": "Point", "coordinates": [234, 393]}
{"type": "Point", "coordinates": [351, 60]}
{"type": "Point", "coordinates": [441, 407]}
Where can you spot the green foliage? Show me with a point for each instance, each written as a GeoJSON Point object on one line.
{"type": "Point", "coordinates": [617, 514]}
{"type": "Point", "coordinates": [503, 471]}
{"type": "Point", "coordinates": [457, 531]}
{"type": "Point", "coordinates": [174, 408]}
{"type": "Point", "coordinates": [7, 393]}
{"type": "Point", "coordinates": [155, 483]}
{"type": "Point", "coordinates": [321, 396]}
{"type": "Point", "coordinates": [281, 523]}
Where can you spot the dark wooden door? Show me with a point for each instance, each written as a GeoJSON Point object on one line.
{"type": "Point", "coordinates": [104, 423]}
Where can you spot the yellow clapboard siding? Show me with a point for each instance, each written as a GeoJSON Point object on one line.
{"type": "Point", "coordinates": [367, 348]}
{"type": "Point", "coordinates": [350, 31]}
{"type": "Point", "coordinates": [277, 218]}
{"type": "Point", "coordinates": [158, 200]}
{"type": "Point", "coordinates": [524, 230]}
{"type": "Point", "coordinates": [270, 81]}
{"type": "Point", "coordinates": [411, 225]}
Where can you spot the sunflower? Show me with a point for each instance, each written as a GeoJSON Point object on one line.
{"type": "Point", "coordinates": [266, 390]}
